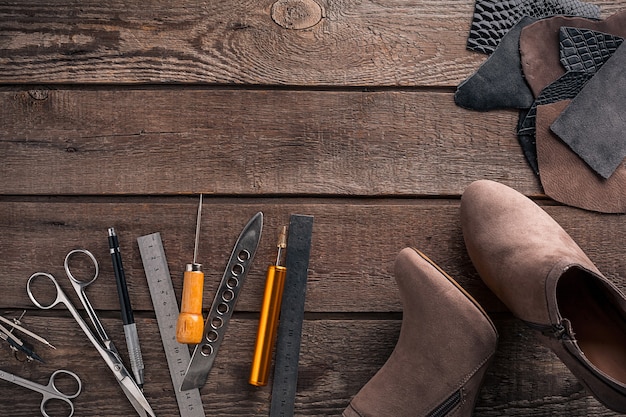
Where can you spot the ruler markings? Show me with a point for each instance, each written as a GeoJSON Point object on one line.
{"type": "Point", "coordinates": [291, 316]}
{"type": "Point", "coordinates": [166, 310]}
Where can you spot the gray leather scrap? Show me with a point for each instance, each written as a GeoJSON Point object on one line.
{"type": "Point", "coordinates": [594, 123]}
{"type": "Point", "coordinates": [499, 82]}
{"type": "Point", "coordinates": [583, 52]}
{"type": "Point", "coordinates": [568, 179]}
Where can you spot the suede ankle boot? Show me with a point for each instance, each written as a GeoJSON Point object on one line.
{"type": "Point", "coordinates": [546, 280]}
{"type": "Point", "coordinates": [446, 343]}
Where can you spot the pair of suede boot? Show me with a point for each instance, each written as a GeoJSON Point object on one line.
{"type": "Point", "coordinates": [447, 340]}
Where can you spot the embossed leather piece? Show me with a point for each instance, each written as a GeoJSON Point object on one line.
{"type": "Point", "coordinates": [583, 52]}
{"type": "Point", "coordinates": [493, 19]}
{"type": "Point", "coordinates": [499, 82]}
{"type": "Point", "coordinates": [566, 178]}
{"type": "Point", "coordinates": [564, 88]}
{"type": "Point", "coordinates": [586, 49]}
{"type": "Point", "coordinates": [594, 124]}
{"type": "Point", "coordinates": [539, 45]}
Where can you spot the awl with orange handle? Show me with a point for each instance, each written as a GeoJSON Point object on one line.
{"type": "Point", "coordinates": [270, 310]}
{"type": "Point", "coordinates": [190, 324]}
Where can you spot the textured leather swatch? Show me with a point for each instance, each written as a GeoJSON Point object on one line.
{"type": "Point", "coordinates": [583, 52]}
{"type": "Point", "coordinates": [586, 49]}
{"type": "Point", "coordinates": [566, 87]}
{"type": "Point", "coordinates": [493, 19]}
{"type": "Point", "coordinates": [539, 45]}
{"type": "Point", "coordinates": [566, 178]}
{"type": "Point", "coordinates": [594, 124]}
{"type": "Point", "coordinates": [499, 82]}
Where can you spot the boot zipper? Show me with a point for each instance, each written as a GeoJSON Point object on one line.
{"type": "Point", "coordinates": [447, 406]}
{"type": "Point", "coordinates": [557, 331]}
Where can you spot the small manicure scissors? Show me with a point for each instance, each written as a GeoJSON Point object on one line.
{"type": "Point", "coordinates": [50, 392]}
{"type": "Point", "coordinates": [101, 341]}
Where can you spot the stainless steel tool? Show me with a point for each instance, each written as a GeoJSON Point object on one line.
{"type": "Point", "coordinates": [291, 317]}
{"type": "Point", "coordinates": [15, 324]}
{"type": "Point", "coordinates": [166, 310]}
{"type": "Point", "coordinates": [223, 304]}
{"type": "Point", "coordinates": [99, 339]}
{"type": "Point", "coordinates": [49, 391]}
{"type": "Point", "coordinates": [17, 345]}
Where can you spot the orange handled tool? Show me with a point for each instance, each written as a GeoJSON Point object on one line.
{"type": "Point", "coordinates": [190, 324]}
{"type": "Point", "coordinates": [268, 322]}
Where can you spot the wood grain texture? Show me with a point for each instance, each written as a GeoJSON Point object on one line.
{"type": "Point", "coordinates": [233, 142]}
{"type": "Point", "coordinates": [353, 248]}
{"type": "Point", "coordinates": [525, 379]}
{"type": "Point", "coordinates": [355, 43]}
{"type": "Point", "coordinates": [118, 113]}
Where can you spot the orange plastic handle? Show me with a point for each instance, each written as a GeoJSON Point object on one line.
{"type": "Point", "coordinates": [190, 324]}
{"type": "Point", "coordinates": [268, 323]}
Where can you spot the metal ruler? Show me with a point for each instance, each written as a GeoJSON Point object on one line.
{"type": "Point", "coordinates": [291, 316]}
{"type": "Point", "coordinates": [166, 309]}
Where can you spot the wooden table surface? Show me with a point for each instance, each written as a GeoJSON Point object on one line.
{"type": "Point", "coordinates": [120, 113]}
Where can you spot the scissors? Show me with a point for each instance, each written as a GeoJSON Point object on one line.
{"type": "Point", "coordinates": [101, 341]}
{"type": "Point", "coordinates": [50, 392]}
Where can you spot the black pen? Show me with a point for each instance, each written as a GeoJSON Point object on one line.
{"type": "Point", "coordinates": [130, 329]}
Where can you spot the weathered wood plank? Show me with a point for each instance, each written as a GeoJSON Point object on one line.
{"type": "Point", "coordinates": [525, 379]}
{"type": "Point", "coordinates": [353, 249]}
{"type": "Point", "coordinates": [410, 43]}
{"type": "Point", "coordinates": [354, 43]}
{"type": "Point", "coordinates": [231, 142]}
{"type": "Point", "coordinates": [130, 108]}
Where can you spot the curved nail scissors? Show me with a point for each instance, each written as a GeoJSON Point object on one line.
{"type": "Point", "coordinates": [50, 392]}
{"type": "Point", "coordinates": [101, 341]}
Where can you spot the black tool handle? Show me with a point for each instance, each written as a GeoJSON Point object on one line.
{"type": "Point", "coordinates": [120, 278]}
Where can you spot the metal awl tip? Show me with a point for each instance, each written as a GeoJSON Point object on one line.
{"type": "Point", "coordinates": [197, 240]}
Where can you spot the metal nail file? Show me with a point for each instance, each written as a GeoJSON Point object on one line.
{"type": "Point", "coordinates": [224, 303]}
{"type": "Point", "coordinates": [166, 310]}
{"type": "Point", "coordinates": [291, 317]}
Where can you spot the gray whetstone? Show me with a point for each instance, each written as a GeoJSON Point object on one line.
{"type": "Point", "coordinates": [291, 316]}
